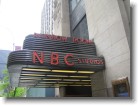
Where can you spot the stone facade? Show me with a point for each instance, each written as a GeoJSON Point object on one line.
{"type": "Point", "coordinates": [106, 23]}
{"type": "Point", "coordinates": [109, 27]}
{"type": "Point", "coordinates": [61, 18]}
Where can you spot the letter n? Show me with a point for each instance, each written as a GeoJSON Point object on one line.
{"type": "Point", "coordinates": [41, 58]}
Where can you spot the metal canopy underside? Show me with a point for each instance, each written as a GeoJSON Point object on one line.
{"type": "Point", "coordinates": [32, 76]}
{"type": "Point", "coordinates": [53, 78]}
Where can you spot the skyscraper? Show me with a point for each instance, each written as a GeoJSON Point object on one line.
{"type": "Point", "coordinates": [47, 19]}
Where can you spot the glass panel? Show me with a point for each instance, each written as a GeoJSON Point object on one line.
{"type": "Point", "coordinates": [81, 30]}
{"type": "Point", "coordinates": [78, 1]}
{"type": "Point", "coordinates": [73, 4]}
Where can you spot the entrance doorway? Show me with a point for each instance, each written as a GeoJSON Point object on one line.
{"type": "Point", "coordinates": [78, 91]}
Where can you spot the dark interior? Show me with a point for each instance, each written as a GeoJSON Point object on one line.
{"type": "Point", "coordinates": [78, 91]}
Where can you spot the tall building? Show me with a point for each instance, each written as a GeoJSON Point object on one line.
{"type": "Point", "coordinates": [107, 23]}
{"type": "Point", "coordinates": [47, 17]}
{"type": "Point", "coordinates": [18, 48]}
{"type": "Point", "coordinates": [3, 61]}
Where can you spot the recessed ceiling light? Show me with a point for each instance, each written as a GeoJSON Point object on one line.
{"type": "Point", "coordinates": [33, 74]}
{"type": "Point", "coordinates": [51, 79]}
{"type": "Point", "coordinates": [85, 80]}
{"type": "Point", "coordinates": [80, 76]}
{"type": "Point", "coordinates": [57, 76]}
{"type": "Point", "coordinates": [35, 69]}
{"type": "Point", "coordinates": [47, 82]}
{"type": "Point", "coordinates": [64, 71]}
{"type": "Point", "coordinates": [90, 72]}
{"type": "Point", "coordinates": [71, 80]}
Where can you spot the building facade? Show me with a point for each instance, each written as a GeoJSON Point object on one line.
{"type": "Point", "coordinates": [47, 19]}
{"type": "Point", "coordinates": [107, 23]}
{"type": "Point", "coordinates": [3, 61]}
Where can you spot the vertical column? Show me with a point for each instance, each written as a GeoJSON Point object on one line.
{"type": "Point", "coordinates": [62, 91]}
{"type": "Point", "coordinates": [61, 18]}
{"type": "Point", "coordinates": [124, 7]}
{"type": "Point", "coordinates": [65, 18]}
{"type": "Point", "coordinates": [98, 85]}
{"type": "Point", "coordinates": [61, 27]}
{"type": "Point", "coordinates": [57, 92]}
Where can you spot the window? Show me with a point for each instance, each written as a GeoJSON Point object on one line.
{"type": "Point", "coordinates": [78, 21]}
{"type": "Point", "coordinates": [81, 30]}
{"type": "Point", "coordinates": [121, 87]}
{"type": "Point", "coordinates": [73, 4]}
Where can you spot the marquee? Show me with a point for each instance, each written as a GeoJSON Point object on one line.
{"type": "Point", "coordinates": [54, 61]}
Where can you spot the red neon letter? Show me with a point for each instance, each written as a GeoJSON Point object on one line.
{"type": "Point", "coordinates": [64, 39]}
{"type": "Point", "coordinates": [65, 59]}
{"type": "Point", "coordinates": [54, 58]}
{"type": "Point", "coordinates": [35, 55]}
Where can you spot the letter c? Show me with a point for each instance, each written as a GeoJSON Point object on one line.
{"type": "Point", "coordinates": [65, 59]}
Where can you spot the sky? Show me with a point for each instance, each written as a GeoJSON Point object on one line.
{"type": "Point", "coordinates": [18, 18]}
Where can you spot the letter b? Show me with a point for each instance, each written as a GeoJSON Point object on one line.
{"type": "Point", "coordinates": [54, 58]}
